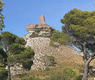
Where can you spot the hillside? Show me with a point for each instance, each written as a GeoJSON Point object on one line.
{"type": "Point", "coordinates": [64, 57]}
{"type": "Point", "coordinates": [62, 54]}
{"type": "Point", "coordinates": [49, 60]}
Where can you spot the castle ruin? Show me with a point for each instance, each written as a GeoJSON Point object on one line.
{"type": "Point", "coordinates": [40, 30]}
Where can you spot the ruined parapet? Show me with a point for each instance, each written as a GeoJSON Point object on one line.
{"type": "Point", "coordinates": [38, 38]}
{"type": "Point", "coordinates": [40, 30]}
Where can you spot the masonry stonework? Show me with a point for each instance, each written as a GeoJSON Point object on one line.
{"type": "Point", "coordinates": [42, 19]}
{"type": "Point", "coordinates": [40, 30]}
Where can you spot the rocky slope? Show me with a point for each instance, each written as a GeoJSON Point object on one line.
{"type": "Point", "coordinates": [41, 47]}
{"type": "Point", "coordinates": [64, 56]}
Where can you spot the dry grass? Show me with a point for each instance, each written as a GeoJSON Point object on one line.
{"type": "Point", "coordinates": [65, 57]}
{"type": "Point", "coordinates": [68, 57]}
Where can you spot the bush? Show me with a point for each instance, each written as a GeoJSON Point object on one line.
{"type": "Point", "coordinates": [70, 74]}
{"type": "Point", "coordinates": [27, 58]}
{"type": "Point", "coordinates": [27, 64]}
{"type": "Point", "coordinates": [59, 37]}
{"type": "Point", "coordinates": [66, 74]}
{"type": "Point", "coordinates": [3, 74]}
{"type": "Point", "coordinates": [47, 69]}
{"type": "Point", "coordinates": [30, 78]}
{"type": "Point", "coordinates": [57, 76]}
{"type": "Point", "coordinates": [49, 60]}
{"type": "Point", "coordinates": [52, 43]}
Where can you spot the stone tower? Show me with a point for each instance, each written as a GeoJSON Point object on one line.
{"type": "Point", "coordinates": [40, 30]}
{"type": "Point", "coordinates": [42, 19]}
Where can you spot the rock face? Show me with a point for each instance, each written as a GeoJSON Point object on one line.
{"type": "Point", "coordinates": [40, 46]}
{"type": "Point", "coordinates": [16, 69]}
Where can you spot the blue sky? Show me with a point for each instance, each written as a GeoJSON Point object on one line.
{"type": "Point", "coordinates": [19, 13]}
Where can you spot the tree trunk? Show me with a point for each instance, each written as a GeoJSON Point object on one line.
{"type": "Point", "coordinates": [84, 52]}
{"type": "Point", "coordinates": [9, 72]}
{"type": "Point", "coordinates": [86, 69]}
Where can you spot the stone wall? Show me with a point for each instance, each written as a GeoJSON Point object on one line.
{"type": "Point", "coordinates": [40, 45]}
{"type": "Point", "coordinates": [40, 30]}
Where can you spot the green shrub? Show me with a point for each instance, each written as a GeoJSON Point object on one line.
{"type": "Point", "coordinates": [49, 60]}
{"type": "Point", "coordinates": [52, 60]}
{"type": "Point", "coordinates": [57, 76]}
{"type": "Point", "coordinates": [52, 43]}
{"type": "Point", "coordinates": [27, 64]}
{"type": "Point", "coordinates": [3, 74]}
{"type": "Point", "coordinates": [22, 75]}
{"type": "Point", "coordinates": [81, 68]}
{"type": "Point", "coordinates": [47, 69]}
{"type": "Point", "coordinates": [66, 74]}
{"type": "Point", "coordinates": [59, 37]}
{"type": "Point", "coordinates": [27, 58]}
{"type": "Point", "coordinates": [30, 78]}
{"type": "Point", "coordinates": [70, 74]}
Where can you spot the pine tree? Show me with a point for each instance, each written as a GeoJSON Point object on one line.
{"type": "Point", "coordinates": [81, 26]}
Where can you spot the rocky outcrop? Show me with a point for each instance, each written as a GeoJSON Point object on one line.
{"type": "Point", "coordinates": [16, 69]}
{"type": "Point", "coordinates": [40, 30]}
{"type": "Point", "coordinates": [41, 47]}
{"type": "Point", "coordinates": [38, 38]}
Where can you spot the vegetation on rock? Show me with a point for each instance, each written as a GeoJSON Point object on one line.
{"type": "Point", "coordinates": [67, 74]}
{"type": "Point", "coordinates": [49, 60]}
{"type": "Point", "coordinates": [59, 37]}
{"type": "Point", "coordinates": [78, 29]}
